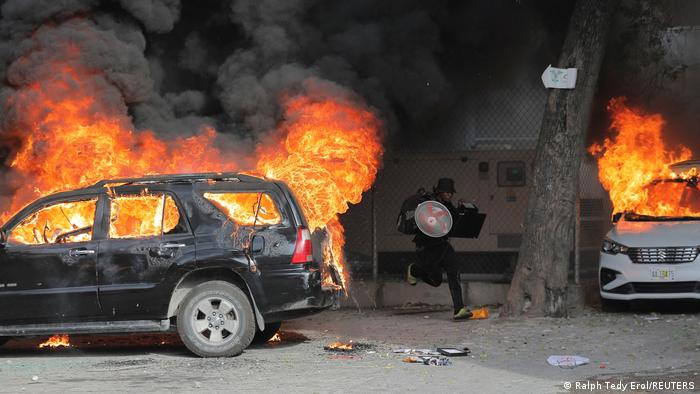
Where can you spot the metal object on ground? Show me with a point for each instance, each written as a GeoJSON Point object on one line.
{"type": "Point", "coordinates": [433, 219]}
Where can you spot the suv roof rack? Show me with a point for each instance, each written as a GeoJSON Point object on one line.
{"type": "Point", "coordinates": [172, 178]}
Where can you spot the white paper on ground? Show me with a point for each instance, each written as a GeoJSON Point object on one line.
{"type": "Point", "coordinates": [567, 361]}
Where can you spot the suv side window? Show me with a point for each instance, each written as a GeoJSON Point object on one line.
{"type": "Point", "coordinates": [242, 207]}
{"type": "Point", "coordinates": [145, 215]}
{"type": "Point", "coordinates": [61, 222]}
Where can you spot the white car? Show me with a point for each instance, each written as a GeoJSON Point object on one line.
{"type": "Point", "coordinates": [653, 257]}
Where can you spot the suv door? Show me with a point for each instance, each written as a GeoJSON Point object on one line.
{"type": "Point", "coordinates": [47, 266]}
{"type": "Point", "coordinates": [274, 239]}
{"type": "Point", "coordinates": [147, 235]}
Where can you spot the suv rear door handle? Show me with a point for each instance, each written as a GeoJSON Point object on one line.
{"type": "Point", "coordinates": [172, 246]}
{"type": "Point", "coordinates": [80, 252]}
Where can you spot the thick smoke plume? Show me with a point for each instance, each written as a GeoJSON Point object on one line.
{"type": "Point", "coordinates": [177, 67]}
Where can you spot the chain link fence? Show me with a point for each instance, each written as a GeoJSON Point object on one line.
{"type": "Point", "coordinates": [487, 146]}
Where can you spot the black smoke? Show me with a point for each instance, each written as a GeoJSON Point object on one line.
{"type": "Point", "coordinates": [178, 65]}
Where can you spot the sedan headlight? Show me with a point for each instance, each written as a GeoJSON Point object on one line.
{"type": "Point", "coordinates": [612, 247]}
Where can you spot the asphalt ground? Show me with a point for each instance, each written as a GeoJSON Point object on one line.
{"type": "Point", "coordinates": [645, 348]}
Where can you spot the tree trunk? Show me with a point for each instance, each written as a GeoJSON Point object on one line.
{"type": "Point", "coordinates": [539, 284]}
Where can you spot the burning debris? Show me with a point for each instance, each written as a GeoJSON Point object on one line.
{"type": "Point", "coordinates": [56, 341]}
{"type": "Point", "coordinates": [275, 338]}
{"type": "Point", "coordinates": [339, 347]}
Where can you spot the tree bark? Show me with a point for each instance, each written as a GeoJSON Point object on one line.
{"type": "Point", "coordinates": [539, 285]}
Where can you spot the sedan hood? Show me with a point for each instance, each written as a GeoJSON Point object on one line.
{"type": "Point", "coordinates": [656, 234]}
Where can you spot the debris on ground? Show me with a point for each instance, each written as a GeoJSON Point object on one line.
{"type": "Point", "coordinates": [567, 361]}
{"type": "Point", "coordinates": [417, 352]}
{"type": "Point", "coordinates": [339, 347]}
{"type": "Point", "coordinates": [437, 361]}
{"type": "Point", "coordinates": [651, 317]}
{"type": "Point", "coordinates": [454, 352]}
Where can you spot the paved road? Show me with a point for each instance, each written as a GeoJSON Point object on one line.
{"type": "Point", "coordinates": [507, 356]}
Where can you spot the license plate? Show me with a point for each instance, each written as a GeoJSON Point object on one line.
{"type": "Point", "coordinates": [663, 274]}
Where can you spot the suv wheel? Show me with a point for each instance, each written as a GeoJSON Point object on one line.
{"type": "Point", "coordinates": [216, 320]}
{"type": "Point", "coordinates": [613, 306]}
{"type": "Point", "coordinates": [262, 336]}
{"type": "Point", "coordinates": [4, 340]}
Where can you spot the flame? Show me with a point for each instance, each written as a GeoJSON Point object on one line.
{"type": "Point", "coordinates": [242, 208]}
{"type": "Point", "coordinates": [73, 130]}
{"type": "Point", "coordinates": [56, 341]}
{"type": "Point", "coordinates": [275, 338]}
{"type": "Point", "coordinates": [635, 156]}
{"type": "Point", "coordinates": [330, 155]}
{"type": "Point", "coordinates": [339, 346]}
{"type": "Point", "coordinates": [481, 313]}
{"type": "Point", "coordinates": [142, 216]}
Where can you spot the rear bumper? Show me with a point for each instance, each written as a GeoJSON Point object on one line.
{"type": "Point", "coordinates": [297, 294]}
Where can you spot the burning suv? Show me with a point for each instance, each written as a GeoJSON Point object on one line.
{"type": "Point", "coordinates": [224, 258]}
{"type": "Point", "coordinates": [655, 256]}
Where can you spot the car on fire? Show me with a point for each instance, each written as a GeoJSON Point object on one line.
{"type": "Point", "coordinates": [221, 258]}
{"type": "Point", "coordinates": [650, 257]}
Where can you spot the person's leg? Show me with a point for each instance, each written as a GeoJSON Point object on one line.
{"type": "Point", "coordinates": [427, 267]}
{"type": "Point", "coordinates": [451, 266]}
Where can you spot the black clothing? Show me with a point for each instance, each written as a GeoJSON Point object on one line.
{"type": "Point", "coordinates": [445, 185]}
{"type": "Point", "coordinates": [436, 255]}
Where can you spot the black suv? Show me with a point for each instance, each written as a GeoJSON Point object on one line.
{"type": "Point", "coordinates": [225, 257]}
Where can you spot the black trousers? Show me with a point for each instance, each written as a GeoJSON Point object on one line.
{"type": "Point", "coordinates": [432, 260]}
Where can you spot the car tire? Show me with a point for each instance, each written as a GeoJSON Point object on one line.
{"type": "Point", "coordinates": [4, 340]}
{"type": "Point", "coordinates": [262, 336]}
{"type": "Point", "coordinates": [216, 320]}
{"type": "Point", "coordinates": [613, 306]}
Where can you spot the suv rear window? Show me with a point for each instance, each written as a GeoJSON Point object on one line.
{"type": "Point", "coordinates": [242, 207]}
{"type": "Point", "coordinates": [136, 216]}
{"type": "Point", "coordinates": [61, 222]}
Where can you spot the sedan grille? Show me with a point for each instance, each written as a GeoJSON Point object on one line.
{"type": "Point", "coordinates": [663, 255]}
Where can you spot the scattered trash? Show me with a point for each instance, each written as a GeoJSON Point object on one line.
{"type": "Point", "coordinates": [567, 361]}
{"type": "Point", "coordinates": [342, 357]}
{"type": "Point", "coordinates": [35, 378]}
{"type": "Point", "coordinates": [481, 313]}
{"type": "Point", "coordinates": [417, 352]}
{"type": "Point", "coordinates": [438, 361]}
{"type": "Point", "coordinates": [651, 317]}
{"type": "Point", "coordinates": [450, 351]}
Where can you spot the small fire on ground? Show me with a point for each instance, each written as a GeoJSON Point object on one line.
{"type": "Point", "coordinates": [339, 346]}
{"type": "Point", "coordinates": [56, 341]}
{"type": "Point", "coordinates": [275, 338]}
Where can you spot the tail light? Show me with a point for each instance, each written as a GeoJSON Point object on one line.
{"type": "Point", "coordinates": [303, 252]}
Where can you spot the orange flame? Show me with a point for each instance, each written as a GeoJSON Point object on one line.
{"type": "Point", "coordinates": [242, 208]}
{"type": "Point", "coordinates": [275, 338]}
{"type": "Point", "coordinates": [73, 132]}
{"type": "Point", "coordinates": [481, 313]}
{"type": "Point", "coordinates": [56, 341]}
{"type": "Point", "coordinates": [635, 156]}
{"type": "Point", "coordinates": [331, 154]}
{"type": "Point", "coordinates": [339, 346]}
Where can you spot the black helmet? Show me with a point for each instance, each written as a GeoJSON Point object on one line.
{"type": "Point", "coordinates": [446, 185]}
